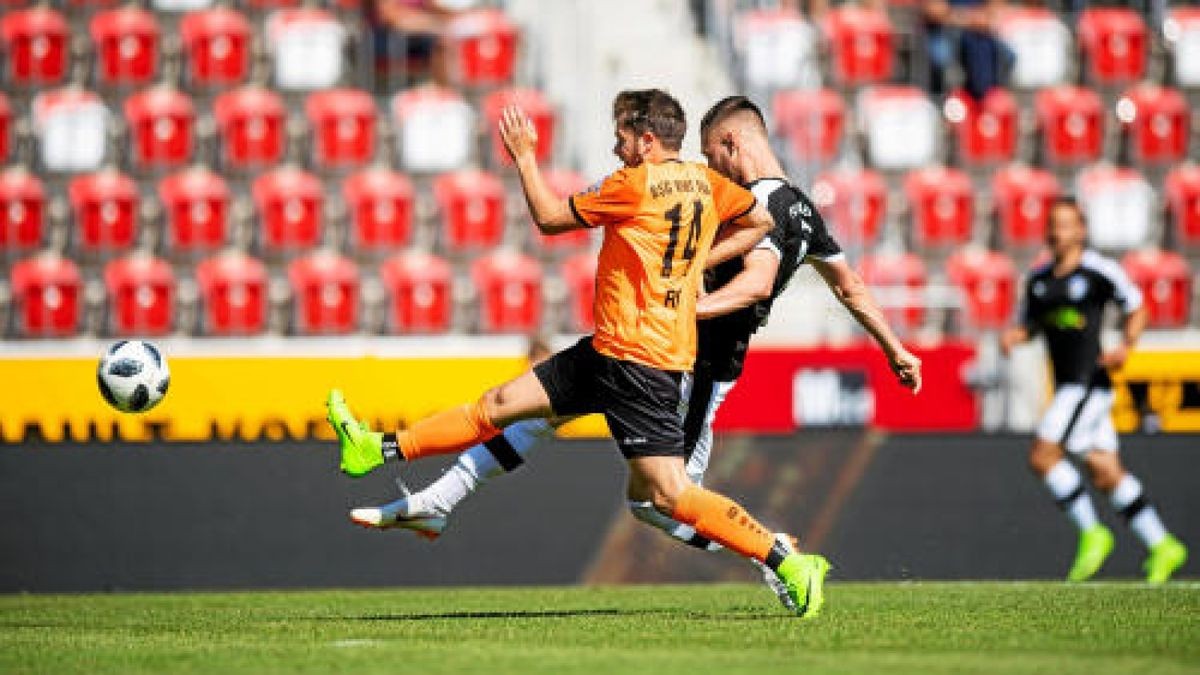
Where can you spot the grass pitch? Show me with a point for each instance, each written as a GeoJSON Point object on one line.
{"type": "Point", "coordinates": [867, 628]}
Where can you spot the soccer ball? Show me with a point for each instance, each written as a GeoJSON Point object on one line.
{"type": "Point", "coordinates": [133, 376]}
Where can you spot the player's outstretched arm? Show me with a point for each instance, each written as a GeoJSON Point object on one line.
{"type": "Point", "coordinates": [850, 290]}
{"type": "Point", "coordinates": [754, 283]}
{"type": "Point", "coordinates": [551, 213]}
{"type": "Point", "coordinates": [740, 235]}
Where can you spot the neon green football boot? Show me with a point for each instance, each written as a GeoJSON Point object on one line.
{"type": "Point", "coordinates": [362, 449]}
{"type": "Point", "coordinates": [1095, 544]}
{"type": "Point", "coordinates": [804, 576]}
{"type": "Point", "coordinates": [1165, 557]}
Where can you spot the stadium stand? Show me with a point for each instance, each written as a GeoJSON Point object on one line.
{"type": "Point", "coordinates": [233, 294]}
{"type": "Point", "coordinates": [380, 206]}
{"type": "Point", "coordinates": [141, 293]}
{"type": "Point", "coordinates": [196, 204]}
{"type": "Point", "coordinates": [22, 211]}
{"type": "Point", "coordinates": [419, 288]}
{"type": "Point", "coordinates": [510, 292]}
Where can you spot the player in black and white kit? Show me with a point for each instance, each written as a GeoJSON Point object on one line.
{"type": "Point", "coordinates": [1065, 300]}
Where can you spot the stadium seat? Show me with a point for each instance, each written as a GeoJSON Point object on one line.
{"type": "Point", "coordinates": [325, 293]}
{"type": "Point", "coordinates": [160, 121]}
{"type": "Point", "coordinates": [216, 43]}
{"type": "Point", "coordinates": [1114, 43]}
{"type": "Point", "coordinates": [106, 211]}
{"type": "Point", "coordinates": [481, 48]}
{"type": "Point", "coordinates": [564, 184]}
{"type": "Point", "coordinates": [471, 204]}
{"type": "Point", "coordinates": [1118, 203]}
{"type": "Point", "coordinates": [141, 295]}
{"type": "Point", "coordinates": [1182, 33]}
{"type": "Point", "coordinates": [777, 49]}
{"type": "Point", "coordinates": [380, 205]}
{"type": "Point", "coordinates": [1041, 43]}
{"type": "Point", "coordinates": [860, 45]}
{"type": "Point", "coordinates": [901, 127]}
{"type": "Point", "coordinates": [180, 6]}
{"type": "Point", "coordinates": [251, 123]}
{"type": "Point", "coordinates": [985, 131]}
{"type": "Point", "coordinates": [22, 210]}
{"type": "Point", "coordinates": [510, 292]}
{"type": "Point", "coordinates": [1022, 197]}
{"type": "Point", "coordinates": [1166, 285]}
{"type": "Point", "coordinates": [36, 44]}
{"type": "Point", "coordinates": [1071, 125]}
{"type": "Point", "coordinates": [267, 5]}
{"type": "Point", "coordinates": [811, 122]}
{"type": "Point", "coordinates": [1183, 205]}
{"type": "Point", "coordinates": [233, 294]}
{"type": "Point", "coordinates": [579, 275]}
{"type": "Point", "coordinates": [290, 203]}
{"type": "Point", "coordinates": [1156, 124]}
{"type": "Point", "coordinates": [535, 106]}
{"type": "Point", "coordinates": [941, 205]}
{"type": "Point", "coordinates": [306, 45]}
{"type": "Point", "coordinates": [854, 202]}
{"type": "Point", "coordinates": [988, 282]}
{"type": "Point", "coordinates": [433, 129]}
{"type": "Point", "coordinates": [196, 204]}
{"type": "Point", "coordinates": [71, 126]}
{"type": "Point", "coordinates": [419, 289]}
{"type": "Point", "coordinates": [126, 40]}
{"type": "Point", "coordinates": [6, 128]}
{"type": "Point", "coordinates": [47, 292]}
{"type": "Point", "coordinates": [898, 280]}
{"type": "Point", "coordinates": [343, 127]}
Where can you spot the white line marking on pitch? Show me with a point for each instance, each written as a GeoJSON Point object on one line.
{"type": "Point", "coordinates": [356, 643]}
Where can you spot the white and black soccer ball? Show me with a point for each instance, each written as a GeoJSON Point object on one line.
{"type": "Point", "coordinates": [133, 376]}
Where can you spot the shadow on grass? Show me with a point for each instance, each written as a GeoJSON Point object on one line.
{"type": "Point", "coordinates": [553, 614]}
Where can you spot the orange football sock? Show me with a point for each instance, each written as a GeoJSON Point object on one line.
{"type": "Point", "coordinates": [724, 521]}
{"type": "Point", "coordinates": [448, 432]}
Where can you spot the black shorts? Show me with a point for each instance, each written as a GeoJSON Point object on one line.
{"type": "Point", "coordinates": [644, 406]}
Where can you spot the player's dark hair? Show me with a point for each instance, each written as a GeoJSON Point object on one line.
{"type": "Point", "coordinates": [1070, 202]}
{"type": "Point", "coordinates": [652, 110]}
{"type": "Point", "coordinates": [730, 105]}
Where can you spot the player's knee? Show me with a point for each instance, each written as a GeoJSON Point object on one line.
{"type": "Point", "coordinates": [1043, 456]}
{"type": "Point", "coordinates": [1105, 470]}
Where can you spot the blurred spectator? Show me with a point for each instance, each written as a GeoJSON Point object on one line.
{"type": "Point", "coordinates": [408, 39]}
{"type": "Point", "coordinates": [964, 31]}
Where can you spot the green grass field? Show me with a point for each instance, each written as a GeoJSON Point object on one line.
{"type": "Point", "coordinates": [867, 628]}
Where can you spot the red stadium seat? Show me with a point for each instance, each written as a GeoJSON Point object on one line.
{"type": "Point", "coordinates": [510, 292]}
{"type": "Point", "coordinates": [854, 202]}
{"type": "Point", "coordinates": [1156, 123]}
{"type": "Point", "coordinates": [419, 290]}
{"type": "Point", "coordinates": [564, 184]}
{"type": "Point", "coordinates": [778, 49]}
{"type": "Point", "coordinates": [196, 203]}
{"type": "Point", "coordinates": [216, 43]}
{"type": "Point", "coordinates": [1022, 198]}
{"type": "Point", "coordinates": [48, 296]}
{"type": "Point", "coordinates": [985, 131]}
{"type": "Point", "coordinates": [251, 123]}
{"type": "Point", "coordinates": [271, 4]}
{"type": "Point", "coordinates": [812, 121]}
{"type": "Point", "coordinates": [141, 295]}
{"type": "Point", "coordinates": [1183, 204]}
{"type": "Point", "coordinates": [579, 274]}
{"type": "Point", "coordinates": [343, 127]}
{"type": "Point", "coordinates": [535, 106]}
{"type": "Point", "coordinates": [106, 210]}
{"type": "Point", "coordinates": [941, 203]}
{"type": "Point", "coordinates": [36, 45]}
{"type": "Point", "coordinates": [22, 210]}
{"type": "Point", "coordinates": [899, 281]}
{"type": "Point", "coordinates": [325, 287]}
{"type": "Point", "coordinates": [988, 281]}
{"type": "Point", "coordinates": [290, 202]}
{"type": "Point", "coordinates": [1182, 33]}
{"type": "Point", "coordinates": [1166, 285]}
{"type": "Point", "coordinates": [306, 45]}
{"type": "Point", "coordinates": [5, 128]}
{"type": "Point", "coordinates": [1114, 43]}
{"type": "Point", "coordinates": [472, 210]}
{"type": "Point", "coordinates": [1041, 43]}
{"type": "Point", "coordinates": [233, 294]}
{"type": "Point", "coordinates": [433, 128]}
{"type": "Point", "coordinates": [901, 125]}
{"type": "Point", "coordinates": [160, 122]}
{"type": "Point", "coordinates": [1071, 124]}
{"type": "Point", "coordinates": [860, 45]}
{"type": "Point", "coordinates": [71, 126]}
{"type": "Point", "coordinates": [482, 48]}
{"type": "Point", "coordinates": [380, 203]}
{"type": "Point", "coordinates": [1119, 204]}
{"type": "Point", "coordinates": [126, 41]}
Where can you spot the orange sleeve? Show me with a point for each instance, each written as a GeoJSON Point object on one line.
{"type": "Point", "coordinates": [609, 202]}
{"type": "Point", "coordinates": [732, 200]}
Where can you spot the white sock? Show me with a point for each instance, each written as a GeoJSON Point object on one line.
{"type": "Point", "coordinates": [1066, 485]}
{"type": "Point", "coordinates": [1129, 500]}
{"type": "Point", "coordinates": [645, 512]}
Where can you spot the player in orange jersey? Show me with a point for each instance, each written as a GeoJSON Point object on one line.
{"type": "Point", "coordinates": [664, 221]}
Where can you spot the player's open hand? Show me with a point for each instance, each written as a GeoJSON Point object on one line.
{"type": "Point", "coordinates": [518, 133]}
{"type": "Point", "coordinates": [907, 368]}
